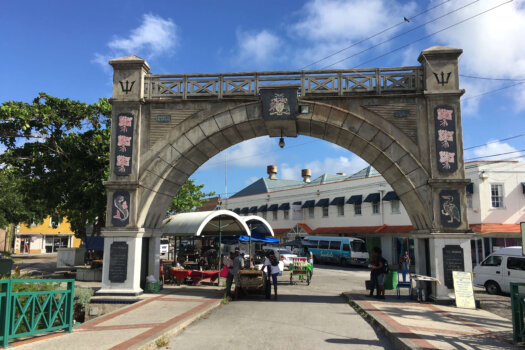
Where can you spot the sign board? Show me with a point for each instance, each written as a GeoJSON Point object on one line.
{"type": "Point", "coordinates": [164, 118]}
{"type": "Point", "coordinates": [463, 290]}
{"type": "Point", "coordinates": [297, 212]}
{"type": "Point", "coordinates": [118, 262]}
{"type": "Point", "coordinates": [453, 260]}
{"type": "Point", "coordinates": [522, 225]}
{"type": "Point", "coordinates": [279, 103]}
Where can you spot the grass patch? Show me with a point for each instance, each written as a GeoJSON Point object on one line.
{"type": "Point", "coordinates": [162, 341]}
{"type": "Point", "coordinates": [226, 300]}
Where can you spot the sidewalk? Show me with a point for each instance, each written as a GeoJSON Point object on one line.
{"type": "Point", "coordinates": [412, 325]}
{"type": "Point", "coordinates": [136, 325]}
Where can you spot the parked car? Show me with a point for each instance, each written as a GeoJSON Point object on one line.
{"type": "Point", "coordinates": [499, 269]}
{"type": "Point", "coordinates": [164, 245]}
{"type": "Point", "coordinates": [339, 250]}
{"type": "Point", "coordinates": [282, 254]}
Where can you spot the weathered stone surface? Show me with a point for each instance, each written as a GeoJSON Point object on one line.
{"type": "Point", "coordinates": [321, 112]}
{"type": "Point", "coordinates": [352, 123]}
{"type": "Point", "coordinates": [317, 129]}
{"type": "Point", "coordinates": [368, 131]}
{"type": "Point", "coordinates": [224, 120]}
{"type": "Point", "coordinates": [209, 126]}
{"type": "Point", "coordinates": [232, 135]}
{"type": "Point", "coordinates": [245, 130]}
{"type": "Point", "coordinates": [331, 133]}
{"type": "Point", "coordinates": [337, 117]}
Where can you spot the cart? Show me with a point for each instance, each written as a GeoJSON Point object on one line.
{"type": "Point", "coordinates": [252, 281]}
{"type": "Point", "coordinates": [301, 269]}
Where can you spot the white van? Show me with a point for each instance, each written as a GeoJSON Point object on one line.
{"type": "Point", "coordinates": [499, 269]}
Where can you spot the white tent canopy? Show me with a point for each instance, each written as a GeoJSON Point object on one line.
{"type": "Point", "coordinates": [205, 223]}
{"type": "Point", "coordinates": [257, 220]}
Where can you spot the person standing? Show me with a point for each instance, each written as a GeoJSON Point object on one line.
{"type": "Point", "coordinates": [229, 279]}
{"type": "Point", "coordinates": [378, 267]}
{"type": "Point", "coordinates": [310, 259]}
{"type": "Point", "coordinates": [404, 261]}
{"type": "Point", "coordinates": [238, 264]}
{"type": "Point", "coordinates": [271, 264]}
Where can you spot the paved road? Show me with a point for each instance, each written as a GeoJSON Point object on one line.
{"type": "Point", "coordinates": [304, 317]}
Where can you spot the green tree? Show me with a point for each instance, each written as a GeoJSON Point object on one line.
{"type": "Point", "coordinates": [60, 148]}
{"type": "Point", "coordinates": [189, 198]}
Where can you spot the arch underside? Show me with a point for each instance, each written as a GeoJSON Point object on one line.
{"type": "Point", "coordinates": [169, 164]}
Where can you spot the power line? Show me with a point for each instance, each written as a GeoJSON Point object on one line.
{"type": "Point", "coordinates": [495, 141]}
{"type": "Point", "coordinates": [432, 34]}
{"type": "Point", "coordinates": [489, 78]}
{"type": "Point", "coordinates": [376, 34]}
{"type": "Point", "coordinates": [399, 35]}
{"type": "Point", "coordinates": [492, 91]}
{"type": "Point", "coordinates": [495, 155]}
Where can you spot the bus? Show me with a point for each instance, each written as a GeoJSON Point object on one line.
{"type": "Point", "coordinates": [339, 250]}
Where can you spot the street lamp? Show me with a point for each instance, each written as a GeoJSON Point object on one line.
{"type": "Point", "coordinates": [281, 140]}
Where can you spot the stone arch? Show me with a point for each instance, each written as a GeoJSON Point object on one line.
{"type": "Point", "coordinates": [168, 164]}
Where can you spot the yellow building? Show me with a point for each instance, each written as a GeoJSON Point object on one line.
{"type": "Point", "coordinates": [43, 238]}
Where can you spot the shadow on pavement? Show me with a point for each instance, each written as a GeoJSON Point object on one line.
{"type": "Point", "coordinates": [354, 341]}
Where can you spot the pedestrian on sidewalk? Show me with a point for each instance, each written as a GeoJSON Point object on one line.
{"type": "Point", "coordinates": [238, 265]}
{"type": "Point", "coordinates": [404, 261]}
{"type": "Point", "coordinates": [229, 279]}
{"type": "Point", "coordinates": [271, 264]}
{"type": "Point", "coordinates": [378, 267]}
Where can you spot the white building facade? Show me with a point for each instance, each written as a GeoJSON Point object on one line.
{"type": "Point", "coordinates": [364, 205]}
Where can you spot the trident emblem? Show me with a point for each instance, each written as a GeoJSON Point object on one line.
{"type": "Point", "coordinates": [443, 81]}
{"type": "Point", "coordinates": [128, 87]}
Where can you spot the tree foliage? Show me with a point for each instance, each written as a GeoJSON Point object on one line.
{"type": "Point", "coordinates": [189, 198]}
{"type": "Point", "coordinates": [56, 158]}
{"type": "Point", "coordinates": [60, 150]}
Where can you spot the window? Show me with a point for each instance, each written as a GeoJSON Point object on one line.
{"type": "Point", "coordinates": [357, 209]}
{"type": "Point", "coordinates": [341, 210]}
{"type": "Point", "coordinates": [375, 208]}
{"type": "Point", "coordinates": [358, 246]}
{"type": "Point", "coordinates": [314, 242]}
{"type": "Point", "coordinates": [264, 215]}
{"type": "Point", "coordinates": [53, 222]}
{"type": "Point", "coordinates": [346, 247]}
{"type": "Point", "coordinates": [325, 212]}
{"type": "Point", "coordinates": [323, 244]}
{"type": "Point", "coordinates": [496, 195]}
{"type": "Point", "coordinates": [469, 201]}
{"type": "Point", "coordinates": [394, 204]}
{"type": "Point", "coordinates": [286, 214]}
{"type": "Point", "coordinates": [274, 215]}
{"type": "Point", "coordinates": [311, 211]}
{"type": "Point", "coordinates": [336, 245]}
{"type": "Point", "coordinates": [515, 263]}
{"type": "Point", "coordinates": [493, 260]}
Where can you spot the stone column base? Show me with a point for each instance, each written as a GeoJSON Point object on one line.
{"type": "Point", "coordinates": [440, 292]}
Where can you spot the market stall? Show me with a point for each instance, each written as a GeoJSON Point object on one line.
{"type": "Point", "coordinates": [203, 261]}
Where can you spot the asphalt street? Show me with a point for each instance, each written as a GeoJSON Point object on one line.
{"type": "Point", "coordinates": [303, 317]}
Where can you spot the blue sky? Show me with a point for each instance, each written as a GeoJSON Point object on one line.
{"type": "Point", "coordinates": [61, 47]}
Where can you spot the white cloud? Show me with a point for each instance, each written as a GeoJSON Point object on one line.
{"type": "Point", "coordinates": [330, 25]}
{"type": "Point", "coordinates": [153, 37]}
{"type": "Point", "coordinates": [257, 47]}
{"type": "Point", "coordinates": [287, 172]}
{"type": "Point", "coordinates": [492, 45]}
{"type": "Point", "coordinates": [492, 148]}
{"type": "Point", "coordinates": [253, 153]}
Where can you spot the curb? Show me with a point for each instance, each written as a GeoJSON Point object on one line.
{"type": "Point", "coordinates": [150, 342]}
{"type": "Point", "coordinates": [385, 329]}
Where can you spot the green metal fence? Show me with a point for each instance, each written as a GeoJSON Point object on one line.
{"type": "Point", "coordinates": [518, 309]}
{"type": "Point", "coordinates": [25, 312]}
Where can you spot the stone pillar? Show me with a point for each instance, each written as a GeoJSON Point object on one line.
{"type": "Point", "coordinates": [447, 183]}
{"type": "Point", "coordinates": [122, 185]}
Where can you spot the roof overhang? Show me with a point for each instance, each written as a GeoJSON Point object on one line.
{"type": "Point", "coordinates": [205, 223]}
{"type": "Point", "coordinates": [258, 221]}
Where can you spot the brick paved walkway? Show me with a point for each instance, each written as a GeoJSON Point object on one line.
{"type": "Point", "coordinates": [136, 325]}
{"type": "Point", "coordinates": [430, 326]}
